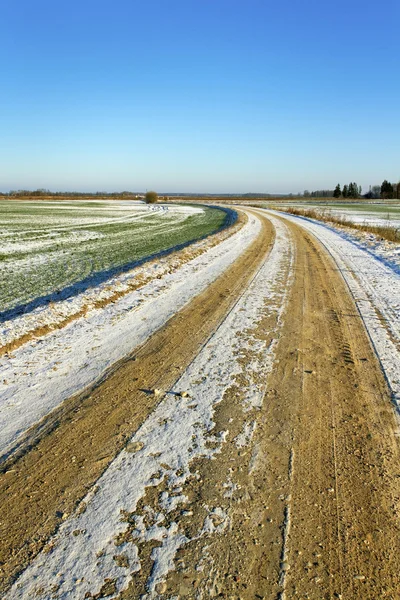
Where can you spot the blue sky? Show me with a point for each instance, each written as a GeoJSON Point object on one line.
{"type": "Point", "coordinates": [199, 95]}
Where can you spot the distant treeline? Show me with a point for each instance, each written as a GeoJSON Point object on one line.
{"type": "Point", "coordinates": [318, 194]}
{"type": "Point", "coordinates": [42, 193]}
{"type": "Point", "coordinates": [385, 191]}
{"type": "Point", "coordinates": [351, 190]}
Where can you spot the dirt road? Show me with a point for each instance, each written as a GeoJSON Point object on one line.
{"type": "Point", "coordinates": [275, 474]}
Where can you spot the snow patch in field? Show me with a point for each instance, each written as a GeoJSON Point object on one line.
{"type": "Point", "coordinates": [44, 251]}
{"type": "Point", "coordinates": [171, 438]}
{"type": "Point", "coordinates": [55, 313]}
{"type": "Point", "coordinates": [48, 240]}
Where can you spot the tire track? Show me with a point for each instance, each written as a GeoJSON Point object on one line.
{"type": "Point", "coordinates": [333, 516]}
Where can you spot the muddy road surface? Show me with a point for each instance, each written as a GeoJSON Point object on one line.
{"type": "Point", "coordinates": [248, 449]}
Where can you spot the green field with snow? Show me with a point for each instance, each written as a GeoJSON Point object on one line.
{"type": "Point", "coordinates": [47, 246]}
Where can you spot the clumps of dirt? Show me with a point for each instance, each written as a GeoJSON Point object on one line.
{"type": "Point", "coordinates": [109, 588]}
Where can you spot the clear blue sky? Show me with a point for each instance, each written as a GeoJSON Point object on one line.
{"type": "Point", "coordinates": [199, 95]}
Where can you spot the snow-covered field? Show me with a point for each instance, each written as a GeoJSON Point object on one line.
{"type": "Point", "coordinates": [377, 213]}
{"type": "Point", "coordinates": [47, 248]}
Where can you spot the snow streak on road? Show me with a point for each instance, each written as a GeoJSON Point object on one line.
{"type": "Point", "coordinates": [376, 291]}
{"type": "Point", "coordinates": [37, 377]}
{"type": "Point", "coordinates": [97, 550]}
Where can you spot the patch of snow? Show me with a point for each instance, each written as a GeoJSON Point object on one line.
{"type": "Point", "coordinates": [216, 521]}
{"type": "Point", "coordinates": [230, 488]}
{"type": "Point", "coordinates": [49, 239]}
{"type": "Point", "coordinates": [169, 503]}
{"type": "Point", "coordinates": [245, 436]}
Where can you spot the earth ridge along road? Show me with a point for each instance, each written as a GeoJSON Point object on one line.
{"type": "Point", "coordinates": [284, 483]}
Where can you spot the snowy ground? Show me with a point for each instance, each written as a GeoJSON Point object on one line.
{"type": "Point", "coordinates": [377, 213]}
{"type": "Point", "coordinates": [45, 248]}
{"type": "Point", "coordinates": [373, 276]}
{"type": "Point", "coordinates": [100, 544]}
{"type": "Point", "coordinates": [373, 214]}
{"type": "Point", "coordinates": [388, 252]}
{"type": "Point", "coordinates": [83, 554]}
{"type": "Point", "coordinates": [38, 376]}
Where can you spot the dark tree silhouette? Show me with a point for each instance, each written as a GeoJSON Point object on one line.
{"type": "Point", "coordinates": [337, 192]}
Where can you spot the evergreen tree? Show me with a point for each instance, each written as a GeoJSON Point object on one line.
{"type": "Point", "coordinates": [337, 193]}
{"type": "Point", "coordinates": [386, 189]}
{"type": "Point", "coordinates": [345, 191]}
{"type": "Point", "coordinates": [353, 190]}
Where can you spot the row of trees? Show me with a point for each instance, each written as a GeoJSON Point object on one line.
{"type": "Point", "coordinates": [150, 196]}
{"type": "Point", "coordinates": [318, 194]}
{"type": "Point", "coordinates": [386, 191]}
{"type": "Point", "coordinates": [43, 193]}
{"type": "Point", "coordinates": [352, 190]}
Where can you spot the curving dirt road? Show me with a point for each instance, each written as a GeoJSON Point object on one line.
{"type": "Point", "coordinates": [266, 467]}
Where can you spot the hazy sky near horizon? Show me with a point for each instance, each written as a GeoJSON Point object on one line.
{"type": "Point", "coordinates": [199, 95]}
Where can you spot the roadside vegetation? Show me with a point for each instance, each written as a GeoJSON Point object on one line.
{"type": "Point", "coordinates": [388, 231]}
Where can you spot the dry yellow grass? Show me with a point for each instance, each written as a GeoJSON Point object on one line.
{"type": "Point", "coordinates": [388, 231]}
